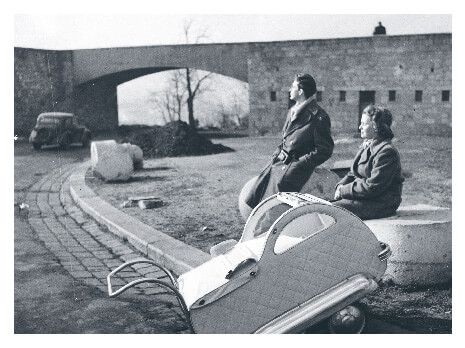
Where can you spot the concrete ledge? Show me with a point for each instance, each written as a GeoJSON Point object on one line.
{"type": "Point", "coordinates": [420, 237]}
{"type": "Point", "coordinates": [170, 252]}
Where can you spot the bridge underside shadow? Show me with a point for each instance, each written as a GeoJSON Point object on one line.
{"type": "Point", "coordinates": [96, 101]}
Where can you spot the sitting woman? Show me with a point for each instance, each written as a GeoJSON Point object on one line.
{"type": "Point", "coordinates": [373, 186]}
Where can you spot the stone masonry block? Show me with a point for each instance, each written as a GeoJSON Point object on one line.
{"type": "Point", "coordinates": [109, 161]}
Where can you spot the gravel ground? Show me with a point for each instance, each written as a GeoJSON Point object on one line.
{"type": "Point", "coordinates": [200, 196]}
{"type": "Point", "coordinates": [200, 193]}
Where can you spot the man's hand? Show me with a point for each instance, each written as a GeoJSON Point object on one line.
{"type": "Point", "coordinates": [337, 194]}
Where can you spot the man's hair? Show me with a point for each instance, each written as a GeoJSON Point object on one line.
{"type": "Point", "coordinates": [306, 83]}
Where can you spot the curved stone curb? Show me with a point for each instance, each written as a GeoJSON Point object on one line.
{"type": "Point", "coordinates": [168, 251]}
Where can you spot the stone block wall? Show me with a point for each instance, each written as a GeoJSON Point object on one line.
{"type": "Point", "coordinates": [381, 64]}
{"type": "Point", "coordinates": [42, 82]}
{"type": "Point", "coordinates": [47, 80]}
{"type": "Point", "coordinates": [97, 106]}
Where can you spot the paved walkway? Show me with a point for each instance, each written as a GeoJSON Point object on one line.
{"type": "Point", "coordinates": [175, 255]}
{"type": "Point", "coordinates": [82, 245]}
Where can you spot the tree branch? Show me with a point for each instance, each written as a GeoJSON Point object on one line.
{"type": "Point", "coordinates": [199, 82]}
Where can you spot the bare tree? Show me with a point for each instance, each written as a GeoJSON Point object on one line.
{"type": "Point", "coordinates": [171, 101]}
{"type": "Point", "coordinates": [185, 85]}
{"type": "Point", "coordinates": [164, 104]}
{"type": "Point", "coordinates": [193, 80]}
{"type": "Point", "coordinates": [236, 114]}
{"type": "Point", "coordinates": [225, 116]}
{"type": "Point", "coordinates": [176, 80]}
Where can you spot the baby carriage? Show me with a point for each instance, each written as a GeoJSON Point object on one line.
{"type": "Point", "coordinates": [300, 260]}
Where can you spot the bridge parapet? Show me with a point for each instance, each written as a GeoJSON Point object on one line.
{"type": "Point", "coordinates": [226, 59]}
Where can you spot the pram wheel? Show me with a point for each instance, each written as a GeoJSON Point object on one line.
{"type": "Point", "coordinates": [350, 320]}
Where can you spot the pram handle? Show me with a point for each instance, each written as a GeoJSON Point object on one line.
{"type": "Point", "coordinates": [130, 263]}
{"type": "Point", "coordinates": [172, 287]}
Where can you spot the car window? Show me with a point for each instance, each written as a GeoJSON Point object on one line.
{"type": "Point", "coordinates": [48, 120]}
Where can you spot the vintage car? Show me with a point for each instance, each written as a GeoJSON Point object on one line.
{"type": "Point", "coordinates": [58, 128]}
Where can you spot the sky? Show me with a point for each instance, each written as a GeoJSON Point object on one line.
{"type": "Point", "coordinates": [80, 31]}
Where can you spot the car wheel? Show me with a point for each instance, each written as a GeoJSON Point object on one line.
{"type": "Point", "coordinates": [350, 320]}
{"type": "Point", "coordinates": [36, 146]}
{"type": "Point", "coordinates": [86, 140]}
{"type": "Point", "coordinates": [43, 135]}
{"type": "Point", "coordinates": [65, 142]}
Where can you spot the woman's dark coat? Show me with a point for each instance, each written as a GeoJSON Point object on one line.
{"type": "Point", "coordinates": [373, 186]}
{"type": "Point", "coordinates": [307, 139]}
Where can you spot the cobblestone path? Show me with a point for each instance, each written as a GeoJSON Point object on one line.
{"type": "Point", "coordinates": [86, 249]}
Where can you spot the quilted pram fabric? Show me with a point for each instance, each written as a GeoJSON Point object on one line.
{"type": "Point", "coordinates": [285, 279]}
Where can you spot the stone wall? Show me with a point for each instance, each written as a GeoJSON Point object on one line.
{"type": "Point", "coordinates": [381, 64]}
{"type": "Point", "coordinates": [42, 82]}
{"type": "Point", "coordinates": [48, 80]}
{"type": "Point", "coordinates": [97, 106]}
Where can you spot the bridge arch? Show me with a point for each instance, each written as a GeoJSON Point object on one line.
{"type": "Point", "coordinates": [98, 72]}
{"type": "Point", "coordinates": [225, 59]}
{"type": "Point", "coordinates": [224, 101]}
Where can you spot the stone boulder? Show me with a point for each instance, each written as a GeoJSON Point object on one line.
{"type": "Point", "coordinates": [111, 161]}
{"type": "Point", "coordinates": [321, 184]}
{"type": "Point", "coordinates": [136, 154]}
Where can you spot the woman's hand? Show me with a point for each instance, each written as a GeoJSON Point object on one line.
{"type": "Point", "coordinates": [337, 194]}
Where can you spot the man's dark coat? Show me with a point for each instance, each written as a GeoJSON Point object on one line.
{"type": "Point", "coordinates": [307, 139]}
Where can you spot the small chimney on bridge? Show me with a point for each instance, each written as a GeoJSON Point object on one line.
{"type": "Point", "coordinates": [380, 30]}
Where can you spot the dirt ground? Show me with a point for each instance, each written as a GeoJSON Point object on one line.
{"type": "Point", "coordinates": [200, 196]}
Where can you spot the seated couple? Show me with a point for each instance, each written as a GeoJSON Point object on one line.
{"type": "Point", "coordinates": [373, 186]}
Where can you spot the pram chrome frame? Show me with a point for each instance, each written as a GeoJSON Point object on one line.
{"type": "Point", "coordinates": [171, 287]}
{"type": "Point", "coordinates": [321, 306]}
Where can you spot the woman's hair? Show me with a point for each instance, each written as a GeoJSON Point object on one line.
{"type": "Point", "coordinates": [306, 83]}
{"type": "Point", "coordinates": [382, 119]}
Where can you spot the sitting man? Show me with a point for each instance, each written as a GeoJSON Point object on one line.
{"type": "Point", "coordinates": [306, 143]}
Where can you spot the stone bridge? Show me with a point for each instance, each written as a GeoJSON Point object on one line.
{"type": "Point", "coordinates": [85, 81]}
{"type": "Point", "coordinates": [411, 74]}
